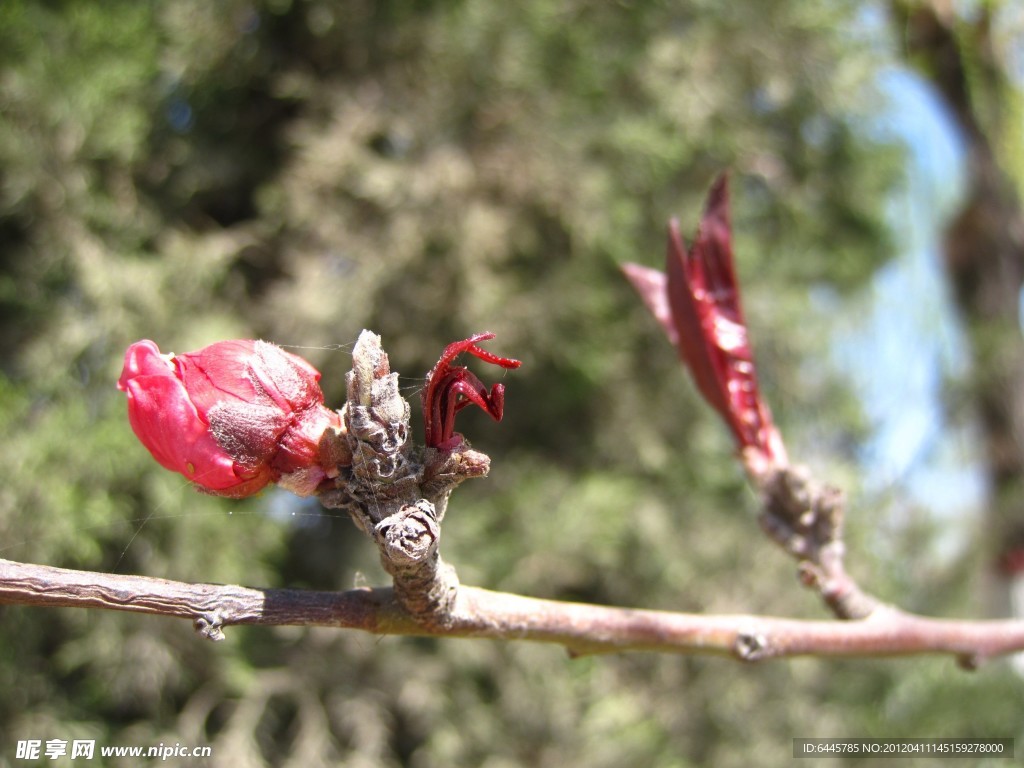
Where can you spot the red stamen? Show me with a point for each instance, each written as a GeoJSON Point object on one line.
{"type": "Point", "coordinates": [451, 388]}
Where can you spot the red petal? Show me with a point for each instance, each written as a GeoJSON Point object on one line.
{"type": "Point", "coordinates": [166, 422]}
{"type": "Point", "coordinates": [217, 372]}
{"type": "Point", "coordinates": [143, 358]}
{"type": "Point", "coordinates": [163, 418]}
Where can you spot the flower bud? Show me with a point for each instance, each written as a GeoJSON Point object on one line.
{"type": "Point", "coordinates": [232, 417]}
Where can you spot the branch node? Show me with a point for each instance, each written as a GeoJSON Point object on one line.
{"type": "Point", "coordinates": [969, 661]}
{"type": "Point", "coordinates": [805, 518]}
{"type": "Point", "coordinates": [210, 626]}
{"type": "Point", "coordinates": [410, 536]}
{"type": "Point", "coordinates": [752, 646]}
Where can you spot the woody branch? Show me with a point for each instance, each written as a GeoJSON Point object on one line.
{"type": "Point", "coordinates": [239, 415]}
{"type": "Point", "coordinates": [398, 495]}
{"type": "Point", "coordinates": [479, 613]}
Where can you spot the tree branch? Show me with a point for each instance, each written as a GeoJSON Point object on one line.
{"type": "Point", "coordinates": [397, 495]}
{"type": "Point", "coordinates": [582, 629]}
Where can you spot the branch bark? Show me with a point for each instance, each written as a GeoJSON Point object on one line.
{"type": "Point", "coordinates": [480, 613]}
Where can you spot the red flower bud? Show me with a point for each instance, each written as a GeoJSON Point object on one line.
{"type": "Point", "coordinates": [232, 417]}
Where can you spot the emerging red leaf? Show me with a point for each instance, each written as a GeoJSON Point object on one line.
{"type": "Point", "coordinates": [697, 303]}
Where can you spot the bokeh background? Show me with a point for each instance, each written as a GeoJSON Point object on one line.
{"type": "Point", "coordinates": [299, 170]}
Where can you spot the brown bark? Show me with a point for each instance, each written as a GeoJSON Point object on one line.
{"type": "Point", "coordinates": [581, 629]}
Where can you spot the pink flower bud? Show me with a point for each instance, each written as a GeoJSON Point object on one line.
{"type": "Point", "coordinates": [232, 417]}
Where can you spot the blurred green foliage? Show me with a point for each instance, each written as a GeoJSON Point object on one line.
{"type": "Point", "coordinates": [300, 170]}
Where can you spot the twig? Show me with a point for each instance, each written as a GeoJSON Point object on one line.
{"type": "Point", "coordinates": [397, 495]}
{"type": "Point", "coordinates": [582, 629]}
{"type": "Point", "coordinates": [805, 518]}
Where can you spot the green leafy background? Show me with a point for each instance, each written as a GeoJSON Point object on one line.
{"type": "Point", "coordinates": [298, 171]}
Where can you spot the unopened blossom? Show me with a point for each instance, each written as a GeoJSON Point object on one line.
{"type": "Point", "coordinates": [697, 303]}
{"type": "Point", "coordinates": [450, 388]}
{"type": "Point", "coordinates": [232, 417]}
